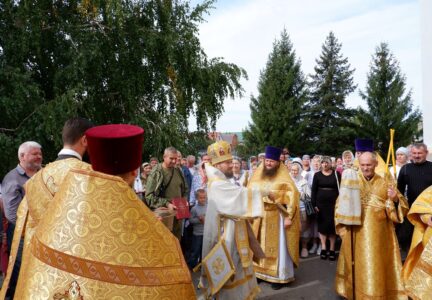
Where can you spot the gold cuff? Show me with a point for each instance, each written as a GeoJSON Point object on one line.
{"type": "Point", "coordinates": [389, 203]}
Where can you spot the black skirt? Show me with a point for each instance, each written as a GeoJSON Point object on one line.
{"type": "Point", "coordinates": [324, 194]}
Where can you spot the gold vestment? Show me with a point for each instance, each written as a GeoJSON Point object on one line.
{"type": "Point", "coordinates": [40, 189]}
{"type": "Point", "coordinates": [97, 240]}
{"type": "Point", "coordinates": [417, 269]}
{"type": "Point", "coordinates": [377, 258]}
{"type": "Point", "coordinates": [267, 228]}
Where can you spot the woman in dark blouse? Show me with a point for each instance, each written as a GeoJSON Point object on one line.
{"type": "Point", "coordinates": [325, 190]}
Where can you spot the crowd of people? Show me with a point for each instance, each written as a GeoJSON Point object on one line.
{"type": "Point", "coordinates": [317, 181]}
{"type": "Point", "coordinates": [116, 225]}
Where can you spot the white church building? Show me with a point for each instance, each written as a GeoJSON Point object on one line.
{"type": "Point", "coordinates": [426, 44]}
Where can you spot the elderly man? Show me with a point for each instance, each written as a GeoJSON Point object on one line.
{"type": "Point", "coordinates": [367, 145]}
{"type": "Point", "coordinates": [98, 240]}
{"type": "Point", "coordinates": [165, 183]}
{"type": "Point", "coordinates": [30, 161]}
{"type": "Point", "coordinates": [377, 264]}
{"type": "Point", "coordinates": [229, 205]}
{"type": "Point", "coordinates": [41, 188]}
{"type": "Point", "coordinates": [279, 229]}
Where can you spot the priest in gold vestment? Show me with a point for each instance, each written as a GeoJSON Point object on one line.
{"type": "Point", "coordinates": [97, 240]}
{"type": "Point", "coordinates": [278, 231]}
{"type": "Point", "coordinates": [41, 188]}
{"type": "Point", "coordinates": [417, 269]}
{"type": "Point", "coordinates": [377, 261]}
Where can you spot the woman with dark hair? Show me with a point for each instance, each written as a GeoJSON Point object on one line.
{"type": "Point", "coordinates": [325, 190]}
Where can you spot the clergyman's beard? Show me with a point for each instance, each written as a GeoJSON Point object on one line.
{"type": "Point", "coordinates": [269, 172]}
{"type": "Point", "coordinates": [228, 174]}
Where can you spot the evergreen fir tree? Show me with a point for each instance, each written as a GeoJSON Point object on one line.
{"type": "Point", "coordinates": [330, 130]}
{"type": "Point", "coordinates": [388, 103]}
{"type": "Point", "coordinates": [277, 111]}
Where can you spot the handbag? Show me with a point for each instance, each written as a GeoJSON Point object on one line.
{"type": "Point", "coordinates": [310, 210]}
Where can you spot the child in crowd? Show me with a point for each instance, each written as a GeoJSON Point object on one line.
{"type": "Point", "coordinates": [197, 220]}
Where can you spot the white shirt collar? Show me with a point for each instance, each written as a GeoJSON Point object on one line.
{"type": "Point", "coordinates": [70, 152]}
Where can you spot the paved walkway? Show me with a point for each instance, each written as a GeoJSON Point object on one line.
{"type": "Point", "coordinates": [314, 281]}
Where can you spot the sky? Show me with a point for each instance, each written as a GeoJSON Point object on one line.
{"type": "Point", "coordinates": [243, 32]}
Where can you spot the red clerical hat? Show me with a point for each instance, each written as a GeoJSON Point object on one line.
{"type": "Point", "coordinates": [116, 148]}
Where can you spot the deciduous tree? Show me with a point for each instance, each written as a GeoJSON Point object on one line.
{"type": "Point", "coordinates": [111, 61]}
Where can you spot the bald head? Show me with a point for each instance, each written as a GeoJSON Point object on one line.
{"type": "Point", "coordinates": [368, 162]}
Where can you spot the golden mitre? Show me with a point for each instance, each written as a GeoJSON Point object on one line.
{"type": "Point", "coordinates": [219, 152]}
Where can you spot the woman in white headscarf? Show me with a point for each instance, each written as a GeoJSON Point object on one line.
{"type": "Point", "coordinates": [347, 159]}
{"type": "Point", "coordinates": [305, 193]}
{"type": "Point", "coordinates": [401, 159]}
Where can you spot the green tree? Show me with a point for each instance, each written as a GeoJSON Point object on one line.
{"type": "Point", "coordinates": [330, 128]}
{"type": "Point", "coordinates": [111, 61]}
{"type": "Point", "coordinates": [277, 111]}
{"type": "Point", "coordinates": [389, 105]}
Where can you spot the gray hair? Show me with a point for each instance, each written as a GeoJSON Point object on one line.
{"type": "Point", "coordinates": [317, 158]}
{"type": "Point", "coordinates": [26, 146]}
{"type": "Point", "coordinates": [373, 155]}
{"type": "Point", "coordinates": [419, 146]}
{"type": "Point", "coordinates": [237, 159]}
{"type": "Point", "coordinates": [170, 150]}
